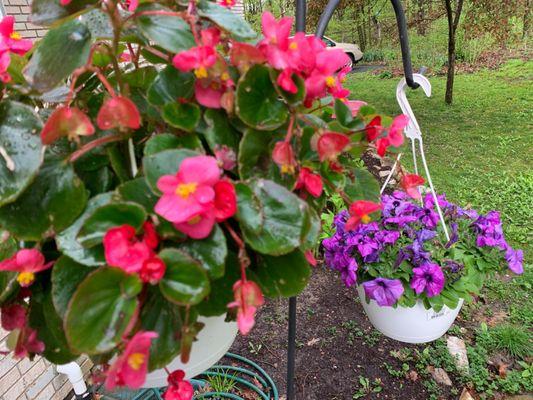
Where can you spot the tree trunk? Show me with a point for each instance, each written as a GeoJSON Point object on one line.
{"type": "Point", "coordinates": [453, 22]}
{"type": "Point", "coordinates": [526, 20]}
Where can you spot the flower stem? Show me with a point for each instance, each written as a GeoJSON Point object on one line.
{"type": "Point", "coordinates": [95, 143]}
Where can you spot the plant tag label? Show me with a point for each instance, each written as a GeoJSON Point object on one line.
{"type": "Point", "coordinates": [432, 314]}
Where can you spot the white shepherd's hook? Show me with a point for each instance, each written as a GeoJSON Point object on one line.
{"type": "Point", "coordinates": [413, 132]}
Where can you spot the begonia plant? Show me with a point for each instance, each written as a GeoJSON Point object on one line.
{"type": "Point", "coordinates": [161, 161]}
{"type": "Point", "coordinates": [404, 256]}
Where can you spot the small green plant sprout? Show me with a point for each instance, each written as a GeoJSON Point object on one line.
{"type": "Point", "coordinates": [515, 340]}
{"type": "Point", "coordinates": [254, 348]}
{"type": "Point", "coordinates": [367, 386]}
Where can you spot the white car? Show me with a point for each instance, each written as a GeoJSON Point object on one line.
{"type": "Point", "coordinates": [352, 50]}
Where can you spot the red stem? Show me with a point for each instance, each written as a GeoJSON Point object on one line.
{"type": "Point", "coordinates": [95, 143]}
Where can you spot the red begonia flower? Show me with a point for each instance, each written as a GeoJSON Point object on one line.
{"type": "Point", "coordinates": [27, 262]}
{"type": "Point", "coordinates": [331, 144]}
{"type": "Point", "coordinates": [283, 155]}
{"type": "Point", "coordinates": [118, 112]}
{"type": "Point", "coordinates": [248, 297]}
{"type": "Point", "coordinates": [309, 181]}
{"type": "Point", "coordinates": [410, 183]}
{"type": "Point", "coordinates": [359, 211]}
{"type": "Point", "coordinates": [13, 317]}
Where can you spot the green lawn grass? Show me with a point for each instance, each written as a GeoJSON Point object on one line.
{"type": "Point", "coordinates": [480, 149]}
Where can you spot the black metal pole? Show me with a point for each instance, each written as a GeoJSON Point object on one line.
{"type": "Point", "coordinates": [291, 348]}
{"type": "Point", "coordinates": [325, 17]}
{"type": "Point", "coordinates": [404, 43]}
{"type": "Point", "coordinates": [301, 11]}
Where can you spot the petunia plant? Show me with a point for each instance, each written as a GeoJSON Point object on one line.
{"type": "Point", "coordinates": [160, 162]}
{"type": "Point", "coordinates": [404, 256]}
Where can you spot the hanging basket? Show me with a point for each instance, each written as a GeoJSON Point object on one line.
{"type": "Point", "coordinates": [214, 340]}
{"type": "Point", "coordinates": [409, 324]}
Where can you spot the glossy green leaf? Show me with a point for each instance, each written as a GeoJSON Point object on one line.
{"type": "Point", "coordinates": [67, 274]}
{"type": "Point", "coordinates": [218, 131]}
{"type": "Point", "coordinates": [221, 294]}
{"type": "Point", "coordinates": [170, 32]}
{"type": "Point", "coordinates": [257, 102]}
{"type": "Point", "coordinates": [255, 157]}
{"type": "Point", "coordinates": [227, 20]}
{"type": "Point", "coordinates": [19, 139]}
{"type": "Point", "coordinates": [211, 252]}
{"type": "Point", "coordinates": [67, 241]}
{"type": "Point", "coordinates": [311, 230]}
{"type": "Point", "coordinates": [98, 181]}
{"type": "Point", "coordinates": [109, 216]}
{"type": "Point", "coordinates": [49, 325]}
{"type": "Point", "coordinates": [170, 85]}
{"type": "Point", "coordinates": [161, 316]}
{"type": "Point", "coordinates": [101, 309]}
{"type": "Point", "coordinates": [185, 281]}
{"type": "Point", "coordinates": [46, 12]}
{"type": "Point", "coordinates": [281, 216]}
{"type": "Point", "coordinates": [363, 187]}
{"type": "Point", "coordinates": [49, 205]}
{"type": "Point", "coordinates": [137, 191]}
{"type": "Point", "coordinates": [165, 162]}
{"type": "Point", "coordinates": [184, 116]}
{"type": "Point", "coordinates": [285, 276]}
{"type": "Point", "coordinates": [249, 208]}
{"type": "Point", "coordinates": [61, 51]}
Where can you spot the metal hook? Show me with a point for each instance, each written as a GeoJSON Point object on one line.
{"type": "Point", "coordinates": [301, 11]}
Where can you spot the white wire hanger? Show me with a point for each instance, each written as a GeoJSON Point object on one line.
{"type": "Point", "coordinates": [413, 132]}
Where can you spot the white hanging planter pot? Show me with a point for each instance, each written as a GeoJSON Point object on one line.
{"type": "Point", "coordinates": [409, 324]}
{"type": "Point", "coordinates": [214, 340]}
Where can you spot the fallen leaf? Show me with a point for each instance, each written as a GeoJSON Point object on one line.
{"type": "Point", "coordinates": [314, 341]}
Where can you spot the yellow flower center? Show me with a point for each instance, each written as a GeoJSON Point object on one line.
{"type": "Point", "coordinates": [15, 36]}
{"type": "Point", "coordinates": [293, 46]}
{"type": "Point", "coordinates": [194, 220]}
{"type": "Point", "coordinates": [136, 360]}
{"type": "Point", "coordinates": [200, 72]}
{"type": "Point", "coordinates": [330, 81]}
{"type": "Point", "coordinates": [26, 278]}
{"type": "Point", "coordinates": [224, 76]}
{"type": "Point", "coordinates": [186, 189]}
{"type": "Point", "coordinates": [365, 219]}
{"type": "Point", "coordinates": [287, 169]}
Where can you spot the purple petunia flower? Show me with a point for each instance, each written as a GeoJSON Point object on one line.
{"type": "Point", "coordinates": [453, 266]}
{"type": "Point", "coordinates": [385, 292]}
{"type": "Point", "coordinates": [428, 277]}
{"type": "Point", "coordinates": [441, 198]}
{"type": "Point", "coordinates": [515, 259]}
{"type": "Point", "coordinates": [428, 217]}
{"type": "Point", "coordinates": [489, 230]}
{"type": "Point", "coordinates": [349, 273]}
{"type": "Point", "coordinates": [455, 235]}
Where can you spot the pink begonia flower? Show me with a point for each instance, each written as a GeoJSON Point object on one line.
{"type": "Point", "coordinates": [209, 92]}
{"type": "Point", "coordinates": [283, 156]}
{"type": "Point", "coordinates": [130, 368]}
{"type": "Point", "coordinates": [244, 55]}
{"type": "Point", "coordinates": [198, 59]}
{"type": "Point", "coordinates": [195, 198]}
{"type": "Point", "coordinates": [331, 144]}
{"type": "Point", "coordinates": [226, 157]}
{"type": "Point", "coordinates": [178, 387]}
{"type": "Point", "coordinates": [27, 262]}
{"type": "Point", "coordinates": [131, 5]}
{"type": "Point", "coordinates": [10, 40]}
{"type": "Point", "coordinates": [227, 3]}
{"type": "Point", "coordinates": [395, 134]}
{"type": "Point", "coordinates": [13, 317]}
{"type": "Point", "coordinates": [276, 42]}
{"type": "Point", "coordinates": [124, 250]}
{"type": "Point", "coordinates": [28, 343]}
{"type": "Point", "coordinates": [66, 121]}
{"type": "Point", "coordinates": [248, 297]}
{"type": "Point", "coordinates": [65, 2]}
{"type": "Point", "coordinates": [285, 81]}
{"type": "Point", "coordinates": [190, 192]}
{"type": "Point", "coordinates": [118, 112]}
{"type": "Point", "coordinates": [410, 183]}
{"type": "Point", "coordinates": [323, 76]}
